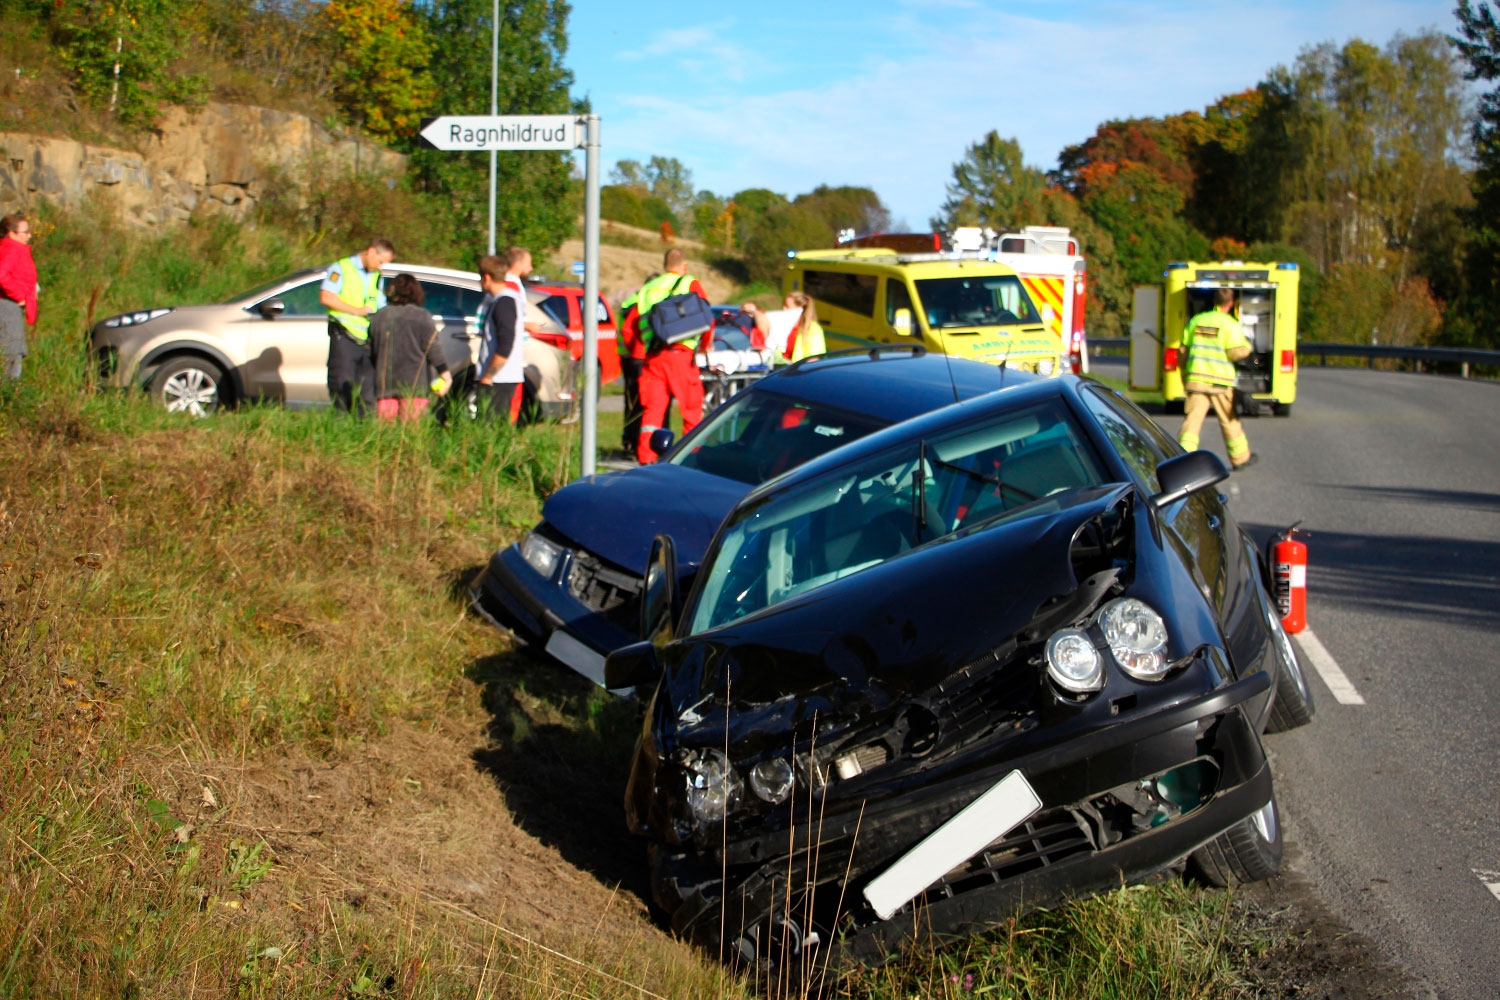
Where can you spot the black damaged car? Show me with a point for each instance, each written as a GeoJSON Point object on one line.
{"type": "Point", "coordinates": [1013, 650]}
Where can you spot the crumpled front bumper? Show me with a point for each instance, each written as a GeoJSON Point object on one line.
{"type": "Point", "coordinates": [542, 611]}
{"type": "Point", "coordinates": [866, 841]}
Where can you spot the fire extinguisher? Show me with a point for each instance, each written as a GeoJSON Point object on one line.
{"type": "Point", "coordinates": [1288, 559]}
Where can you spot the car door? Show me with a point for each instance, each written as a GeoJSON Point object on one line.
{"type": "Point", "coordinates": [455, 311]}
{"type": "Point", "coordinates": [286, 352]}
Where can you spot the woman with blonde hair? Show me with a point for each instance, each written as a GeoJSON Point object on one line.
{"type": "Point", "coordinates": [806, 338]}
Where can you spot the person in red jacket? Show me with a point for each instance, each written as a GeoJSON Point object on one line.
{"type": "Point", "coordinates": [18, 289]}
{"type": "Point", "coordinates": [671, 370]}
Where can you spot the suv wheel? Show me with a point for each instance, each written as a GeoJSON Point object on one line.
{"type": "Point", "coordinates": [188, 385]}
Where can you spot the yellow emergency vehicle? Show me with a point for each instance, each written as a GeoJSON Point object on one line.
{"type": "Point", "coordinates": [955, 302]}
{"type": "Point", "coordinates": [1267, 312]}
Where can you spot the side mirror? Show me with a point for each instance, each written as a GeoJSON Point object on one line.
{"type": "Point", "coordinates": [633, 666]}
{"type": "Point", "coordinates": [902, 322]}
{"type": "Point", "coordinates": [1187, 474]}
{"type": "Point", "coordinates": [271, 308]}
{"type": "Point", "coordinates": [659, 590]}
{"type": "Point", "coordinates": [661, 440]}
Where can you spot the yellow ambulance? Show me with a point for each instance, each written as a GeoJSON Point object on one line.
{"type": "Point", "coordinates": [955, 302]}
{"type": "Point", "coordinates": [1266, 309]}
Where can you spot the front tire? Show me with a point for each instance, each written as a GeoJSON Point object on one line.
{"type": "Point", "coordinates": [188, 385]}
{"type": "Point", "coordinates": [1293, 706]}
{"type": "Point", "coordinates": [1249, 851]}
{"type": "Point", "coordinates": [1282, 409]}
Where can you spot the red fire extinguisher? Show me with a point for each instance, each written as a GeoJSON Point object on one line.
{"type": "Point", "coordinates": [1289, 572]}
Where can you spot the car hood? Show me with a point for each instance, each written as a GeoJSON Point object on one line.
{"type": "Point", "coordinates": [616, 515]}
{"type": "Point", "coordinates": [895, 630]}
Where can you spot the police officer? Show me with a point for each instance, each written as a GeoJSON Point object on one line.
{"type": "Point", "coordinates": [1212, 343]}
{"type": "Point", "coordinates": [351, 294]}
{"type": "Point", "coordinates": [671, 370]}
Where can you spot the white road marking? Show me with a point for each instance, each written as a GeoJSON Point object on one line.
{"type": "Point", "coordinates": [1490, 880]}
{"type": "Point", "coordinates": [1343, 691]}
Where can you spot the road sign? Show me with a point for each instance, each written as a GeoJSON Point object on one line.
{"type": "Point", "coordinates": [578, 267]}
{"type": "Point", "coordinates": [455, 133]}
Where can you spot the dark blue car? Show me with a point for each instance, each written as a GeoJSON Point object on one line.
{"type": "Point", "coordinates": [571, 585]}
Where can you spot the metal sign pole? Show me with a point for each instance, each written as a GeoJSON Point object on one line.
{"type": "Point", "coordinates": [590, 376]}
{"type": "Point", "coordinates": [494, 109]}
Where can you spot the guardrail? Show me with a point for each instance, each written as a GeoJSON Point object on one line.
{"type": "Point", "coordinates": [1424, 356]}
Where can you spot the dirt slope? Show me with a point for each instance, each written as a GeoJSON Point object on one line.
{"type": "Point", "coordinates": [622, 269]}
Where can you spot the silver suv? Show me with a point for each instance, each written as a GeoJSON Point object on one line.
{"type": "Point", "coordinates": [271, 343]}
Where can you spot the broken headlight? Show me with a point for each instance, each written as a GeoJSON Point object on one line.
{"type": "Point", "coordinates": [1136, 636]}
{"type": "Point", "coordinates": [713, 786]}
{"type": "Point", "coordinates": [772, 779]}
{"type": "Point", "coordinates": [1073, 662]}
{"type": "Point", "coordinates": [541, 554]}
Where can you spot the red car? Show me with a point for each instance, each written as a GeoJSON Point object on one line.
{"type": "Point", "coordinates": [564, 305]}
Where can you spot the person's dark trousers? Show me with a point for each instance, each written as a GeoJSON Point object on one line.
{"type": "Point", "coordinates": [494, 400]}
{"type": "Point", "coordinates": [351, 374]}
{"type": "Point", "coordinates": [630, 376]}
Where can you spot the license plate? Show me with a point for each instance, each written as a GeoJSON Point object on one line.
{"type": "Point", "coordinates": [1007, 805]}
{"type": "Point", "coordinates": [576, 655]}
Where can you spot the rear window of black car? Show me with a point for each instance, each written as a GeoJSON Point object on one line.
{"type": "Point", "coordinates": [758, 435]}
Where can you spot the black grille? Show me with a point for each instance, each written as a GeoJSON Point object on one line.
{"type": "Point", "coordinates": [1045, 839]}
{"type": "Point", "coordinates": [605, 589]}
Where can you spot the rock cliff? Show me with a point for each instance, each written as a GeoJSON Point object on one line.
{"type": "Point", "coordinates": [220, 159]}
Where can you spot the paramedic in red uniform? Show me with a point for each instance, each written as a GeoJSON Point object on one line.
{"type": "Point", "coordinates": [670, 371]}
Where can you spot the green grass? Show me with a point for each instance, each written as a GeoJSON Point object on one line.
{"type": "Point", "coordinates": [255, 746]}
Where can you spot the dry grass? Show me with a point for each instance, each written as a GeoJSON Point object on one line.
{"type": "Point", "coordinates": [248, 747]}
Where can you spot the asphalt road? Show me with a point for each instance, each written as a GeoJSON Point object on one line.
{"type": "Point", "coordinates": [1392, 807]}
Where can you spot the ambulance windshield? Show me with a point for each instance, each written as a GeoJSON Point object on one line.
{"type": "Point", "coordinates": [981, 300]}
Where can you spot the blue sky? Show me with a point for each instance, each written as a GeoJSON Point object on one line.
{"type": "Point", "coordinates": [889, 95]}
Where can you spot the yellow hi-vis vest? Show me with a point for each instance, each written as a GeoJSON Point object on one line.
{"type": "Point", "coordinates": [1207, 341]}
{"type": "Point", "coordinates": [345, 276]}
{"type": "Point", "coordinates": [663, 286]}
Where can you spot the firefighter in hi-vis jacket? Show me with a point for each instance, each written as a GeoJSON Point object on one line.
{"type": "Point", "coordinates": [1212, 343]}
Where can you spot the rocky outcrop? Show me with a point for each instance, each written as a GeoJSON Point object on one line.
{"type": "Point", "coordinates": [221, 159]}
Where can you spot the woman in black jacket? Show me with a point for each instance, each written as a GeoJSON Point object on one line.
{"type": "Point", "coordinates": [403, 343]}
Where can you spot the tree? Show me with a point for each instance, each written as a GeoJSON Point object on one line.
{"type": "Point", "coordinates": [120, 51]}
{"type": "Point", "coordinates": [1479, 43]}
{"type": "Point", "coordinates": [532, 204]}
{"type": "Point", "coordinates": [381, 80]}
{"type": "Point", "coordinates": [991, 186]}
{"type": "Point", "coordinates": [856, 208]}
{"type": "Point", "coordinates": [783, 227]}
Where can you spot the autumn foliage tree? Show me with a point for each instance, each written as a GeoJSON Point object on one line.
{"type": "Point", "coordinates": [382, 79]}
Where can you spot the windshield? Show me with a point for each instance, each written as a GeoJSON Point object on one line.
{"type": "Point", "coordinates": [859, 516]}
{"type": "Point", "coordinates": [759, 434]}
{"type": "Point", "coordinates": [269, 286]}
{"type": "Point", "coordinates": [981, 300]}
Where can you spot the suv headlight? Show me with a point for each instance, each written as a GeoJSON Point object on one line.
{"type": "Point", "coordinates": [541, 554]}
{"type": "Point", "coordinates": [713, 786]}
{"type": "Point", "coordinates": [1137, 637]}
{"type": "Point", "coordinates": [130, 319]}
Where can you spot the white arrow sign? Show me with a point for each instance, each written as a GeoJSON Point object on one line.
{"type": "Point", "coordinates": [482, 132]}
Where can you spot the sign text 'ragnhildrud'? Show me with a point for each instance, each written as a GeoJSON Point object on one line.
{"type": "Point", "coordinates": [501, 132]}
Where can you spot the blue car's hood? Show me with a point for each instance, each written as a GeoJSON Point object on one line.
{"type": "Point", "coordinates": [616, 515]}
